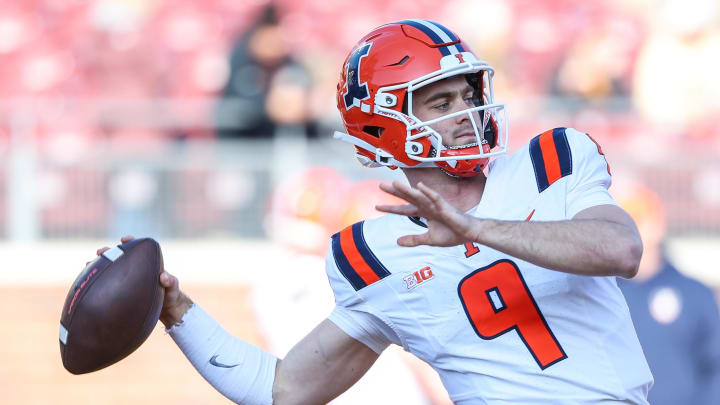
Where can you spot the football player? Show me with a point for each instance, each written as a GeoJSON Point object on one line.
{"type": "Point", "coordinates": [291, 295]}
{"type": "Point", "coordinates": [500, 274]}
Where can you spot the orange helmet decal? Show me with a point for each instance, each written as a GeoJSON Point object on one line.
{"type": "Point", "coordinates": [355, 91]}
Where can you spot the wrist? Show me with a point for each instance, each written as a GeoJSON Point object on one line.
{"type": "Point", "coordinates": [478, 229]}
{"type": "Point", "coordinates": [173, 314]}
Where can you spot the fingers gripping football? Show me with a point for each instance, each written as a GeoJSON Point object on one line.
{"type": "Point", "coordinates": [112, 306]}
{"type": "Point", "coordinates": [175, 303]}
{"type": "Point", "coordinates": [104, 249]}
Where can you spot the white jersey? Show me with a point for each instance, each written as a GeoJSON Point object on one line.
{"type": "Point", "coordinates": [288, 310]}
{"type": "Point", "coordinates": [498, 330]}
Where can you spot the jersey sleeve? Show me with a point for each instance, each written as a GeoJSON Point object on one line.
{"type": "Point", "coordinates": [590, 179]}
{"type": "Point", "coordinates": [354, 315]}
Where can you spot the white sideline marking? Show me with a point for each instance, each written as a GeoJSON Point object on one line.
{"type": "Point", "coordinates": [236, 261]}
{"type": "Point", "coordinates": [206, 261]}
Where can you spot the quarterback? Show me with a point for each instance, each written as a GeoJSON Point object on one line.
{"type": "Point", "coordinates": [499, 271]}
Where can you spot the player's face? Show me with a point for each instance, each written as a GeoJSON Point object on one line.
{"type": "Point", "coordinates": [445, 97]}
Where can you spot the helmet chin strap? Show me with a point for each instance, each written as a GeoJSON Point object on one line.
{"type": "Point", "coordinates": [463, 168]}
{"type": "Point", "coordinates": [452, 175]}
{"type": "Point", "coordinates": [470, 145]}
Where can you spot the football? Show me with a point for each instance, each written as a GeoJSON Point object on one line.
{"type": "Point", "coordinates": [112, 307]}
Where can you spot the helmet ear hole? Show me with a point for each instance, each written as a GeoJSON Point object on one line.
{"type": "Point", "coordinates": [373, 130]}
{"type": "Point", "coordinates": [490, 134]}
{"type": "Point", "coordinates": [475, 81]}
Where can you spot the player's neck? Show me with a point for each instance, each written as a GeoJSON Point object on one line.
{"type": "Point", "coordinates": [462, 193]}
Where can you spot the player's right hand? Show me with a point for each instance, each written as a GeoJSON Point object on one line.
{"type": "Point", "coordinates": [447, 226]}
{"type": "Point", "coordinates": [175, 303]}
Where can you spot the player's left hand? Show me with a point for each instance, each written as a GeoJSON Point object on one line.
{"type": "Point", "coordinates": [175, 303]}
{"type": "Point", "coordinates": [447, 226]}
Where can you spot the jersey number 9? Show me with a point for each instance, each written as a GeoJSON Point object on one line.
{"type": "Point", "coordinates": [497, 300]}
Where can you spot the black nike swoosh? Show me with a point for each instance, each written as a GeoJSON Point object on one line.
{"type": "Point", "coordinates": [216, 364]}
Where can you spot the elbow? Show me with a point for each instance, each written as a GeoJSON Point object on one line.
{"type": "Point", "coordinates": [629, 258]}
{"type": "Point", "coordinates": [287, 390]}
{"type": "Point", "coordinates": [281, 391]}
{"type": "Point", "coordinates": [284, 396]}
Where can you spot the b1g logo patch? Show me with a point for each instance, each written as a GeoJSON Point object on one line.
{"type": "Point", "coordinates": [415, 279]}
{"type": "Point", "coordinates": [354, 90]}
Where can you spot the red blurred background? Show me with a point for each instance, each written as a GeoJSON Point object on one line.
{"type": "Point", "coordinates": [212, 120]}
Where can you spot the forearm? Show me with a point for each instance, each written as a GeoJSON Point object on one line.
{"type": "Point", "coordinates": [591, 247]}
{"type": "Point", "coordinates": [320, 367]}
{"type": "Point", "coordinates": [238, 370]}
{"type": "Point", "coordinates": [323, 365]}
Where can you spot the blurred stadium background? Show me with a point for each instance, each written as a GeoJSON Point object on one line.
{"type": "Point", "coordinates": [207, 125]}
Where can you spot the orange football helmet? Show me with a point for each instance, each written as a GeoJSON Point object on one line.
{"type": "Point", "coordinates": [375, 99]}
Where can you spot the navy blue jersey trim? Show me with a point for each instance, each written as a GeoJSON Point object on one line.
{"type": "Point", "coordinates": [366, 253]}
{"type": "Point", "coordinates": [563, 151]}
{"type": "Point", "coordinates": [344, 265]}
{"type": "Point", "coordinates": [538, 164]}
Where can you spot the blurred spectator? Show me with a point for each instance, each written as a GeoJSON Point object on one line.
{"type": "Point", "coordinates": [674, 83]}
{"type": "Point", "coordinates": [598, 63]}
{"type": "Point", "coordinates": [267, 87]}
{"type": "Point", "coordinates": [676, 317]}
